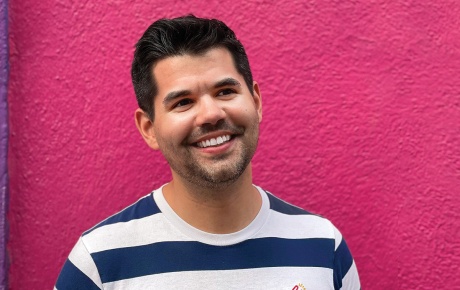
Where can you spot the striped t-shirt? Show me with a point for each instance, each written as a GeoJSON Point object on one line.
{"type": "Point", "coordinates": [148, 246]}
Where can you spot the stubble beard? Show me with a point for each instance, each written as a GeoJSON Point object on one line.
{"type": "Point", "coordinates": [219, 172]}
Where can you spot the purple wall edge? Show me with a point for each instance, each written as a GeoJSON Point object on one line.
{"type": "Point", "coordinates": [3, 140]}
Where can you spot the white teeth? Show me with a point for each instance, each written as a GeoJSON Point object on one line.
{"type": "Point", "coordinates": [214, 141]}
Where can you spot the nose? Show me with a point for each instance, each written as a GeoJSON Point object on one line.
{"type": "Point", "coordinates": [209, 111]}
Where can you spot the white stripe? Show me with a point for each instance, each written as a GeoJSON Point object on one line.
{"type": "Point", "coordinates": [156, 228]}
{"type": "Point", "coordinates": [151, 229]}
{"type": "Point", "coordinates": [351, 279]}
{"type": "Point", "coordinates": [296, 227]}
{"type": "Point", "coordinates": [117, 213]}
{"type": "Point", "coordinates": [260, 278]}
{"type": "Point", "coordinates": [338, 237]}
{"type": "Point", "coordinates": [80, 257]}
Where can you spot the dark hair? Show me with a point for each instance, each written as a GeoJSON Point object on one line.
{"type": "Point", "coordinates": [180, 36]}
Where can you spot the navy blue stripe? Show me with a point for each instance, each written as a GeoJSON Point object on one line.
{"type": "Point", "coordinates": [166, 257]}
{"type": "Point", "coordinates": [281, 206]}
{"type": "Point", "coordinates": [142, 208]}
{"type": "Point", "coordinates": [342, 263]}
{"type": "Point", "coordinates": [71, 278]}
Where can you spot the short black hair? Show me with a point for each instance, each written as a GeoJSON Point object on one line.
{"type": "Point", "coordinates": [180, 36]}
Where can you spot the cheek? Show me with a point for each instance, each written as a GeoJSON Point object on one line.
{"type": "Point", "coordinates": [244, 112]}
{"type": "Point", "coordinates": [175, 128]}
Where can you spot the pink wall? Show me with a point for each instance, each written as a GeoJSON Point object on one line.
{"type": "Point", "coordinates": [361, 124]}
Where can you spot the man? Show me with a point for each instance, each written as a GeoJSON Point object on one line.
{"type": "Point", "coordinates": [209, 227]}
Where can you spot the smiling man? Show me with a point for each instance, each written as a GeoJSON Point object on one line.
{"type": "Point", "coordinates": [209, 227]}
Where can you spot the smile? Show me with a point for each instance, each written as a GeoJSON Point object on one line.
{"type": "Point", "coordinates": [213, 141]}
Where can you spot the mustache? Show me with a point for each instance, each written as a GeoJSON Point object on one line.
{"type": "Point", "coordinates": [221, 125]}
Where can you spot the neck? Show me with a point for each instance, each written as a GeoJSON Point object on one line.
{"type": "Point", "coordinates": [217, 209]}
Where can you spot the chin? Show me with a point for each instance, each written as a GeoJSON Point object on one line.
{"type": "Point", "coordinates": [217, 178]}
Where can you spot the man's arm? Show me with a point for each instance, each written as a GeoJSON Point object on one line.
{"type": "Point", "coordinates": [79, 271]}
{"type": "Point", "coordinates": [345, 271]}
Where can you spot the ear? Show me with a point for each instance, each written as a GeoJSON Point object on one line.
{"type": "Point", "coordinates": [257, 99]}
{"type": "Point", "coordinates": [145, 127]}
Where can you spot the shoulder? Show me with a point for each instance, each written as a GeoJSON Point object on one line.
{"type": "Point", "coordinates": [290, 217]}
{"type": "Point", "coordinates": [319, 235]}
{"type": "Point", "coordinates": [142, 208]}
{"type": "Point", "coordinates": [83, 268]}
{"type": "Point", "coordinates": [281, 206]}
{"type": "Point", "coordinates": [125, 228]}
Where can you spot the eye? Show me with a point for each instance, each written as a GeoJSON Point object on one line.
{"type": "Point", "coordinates": [183, 102]}
{"type": "Point", "coordinates": [225, 92]}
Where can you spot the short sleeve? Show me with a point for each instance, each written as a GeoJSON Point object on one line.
{"type": "Point", "coordinates": [79, 271]}
{"type": "Point", "coordinates": [345, 271]}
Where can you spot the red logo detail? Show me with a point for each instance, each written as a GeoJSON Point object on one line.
{"type": "Point", "coordinates": [299, 287]}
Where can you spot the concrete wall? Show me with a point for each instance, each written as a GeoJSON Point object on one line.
{"type": "Point", "coordinates": [361, 125]}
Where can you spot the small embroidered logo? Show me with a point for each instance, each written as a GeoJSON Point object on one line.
{"type": "Point", "coordinates": [299, 287]}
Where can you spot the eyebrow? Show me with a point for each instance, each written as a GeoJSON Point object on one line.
{"type": "Point", "coordinates": [170, 97]}
{"type": "Point", "coordinates": [227, 82]}
{"type": "Point", "coordinates": [174, 95]}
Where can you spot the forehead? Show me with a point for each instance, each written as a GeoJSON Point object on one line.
{"type": "Point", "coordinates": [188, 71]}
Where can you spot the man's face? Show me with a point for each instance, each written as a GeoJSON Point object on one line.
{"type": "Point", "coordinates": [206, 120]}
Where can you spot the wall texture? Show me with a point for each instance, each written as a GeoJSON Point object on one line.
{"type": "Point", "coordinates": [361, 124]}
{"type": "Point", "coordinates": [3, 140]}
